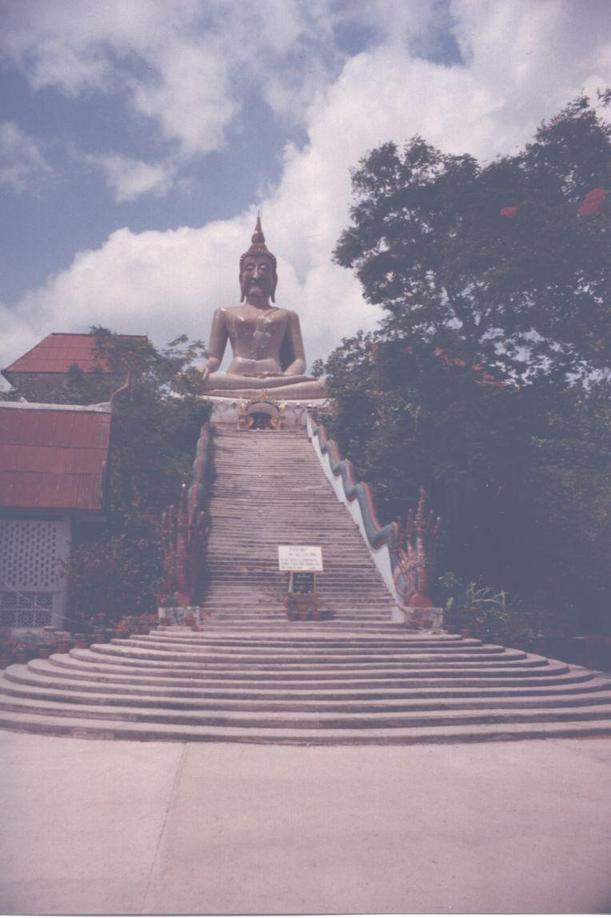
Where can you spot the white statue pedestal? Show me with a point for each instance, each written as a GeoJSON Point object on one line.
{"type": "Point", "coordinates": [294, 411]}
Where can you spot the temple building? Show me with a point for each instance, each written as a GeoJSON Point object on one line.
{"type": "Point", "coordinates": [54, 462]}
{"type": "Point", "coordinates": [53, 475]}
{"type": "Point", "coordinates": [46, 366]}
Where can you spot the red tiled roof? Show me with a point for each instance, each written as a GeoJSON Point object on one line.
{"type": "Point", "coordinates": [58, 352]}
{"type": "Point", "coordinates": [53, 458]}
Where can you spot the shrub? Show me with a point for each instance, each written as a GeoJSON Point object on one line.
{"type": "Point", "coordinates": [496, 617]}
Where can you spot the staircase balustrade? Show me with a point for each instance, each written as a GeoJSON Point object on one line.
{"type": "Point", "coordinates": [405, 555]}
{"type": "Point", "coordinates": [185, 528]}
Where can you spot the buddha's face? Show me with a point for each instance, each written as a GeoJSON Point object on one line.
{"type": "Point", "coordinates": [257, 277]}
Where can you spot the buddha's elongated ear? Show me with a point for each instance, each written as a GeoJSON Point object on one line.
{"type": "Point", "coordinates": [272, 294]}
{"type": "Point", "coordinates": [241, 282]}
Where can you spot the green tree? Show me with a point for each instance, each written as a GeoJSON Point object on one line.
{"type": "Point", "coordinates": [525, 289]}
{"type": "Point", "coordinates": [486, 381]}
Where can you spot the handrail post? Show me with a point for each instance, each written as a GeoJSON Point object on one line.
{"type": "Point", "coordinates": [185, 528]}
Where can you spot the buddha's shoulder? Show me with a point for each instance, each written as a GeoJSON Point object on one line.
{"type": "Point", "coordinates": [227, 313]}
{"type": "Point", "coordinates": [289, 313]}
{"type": "Point", "coordinates": [285, 316]}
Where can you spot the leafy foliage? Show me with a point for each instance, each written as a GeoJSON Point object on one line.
{"type": "Point", "coordinates": [495, 617]}
{"type": "Point", "coordinates": [488, 381]}
{"type": "Point", "coordinates": [156, 424]}
{"type": "Point", "coordinates": [528, 293]}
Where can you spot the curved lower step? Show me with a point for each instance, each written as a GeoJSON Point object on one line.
{"type": "Point", "coordinates": [57, 726]}
{"type": "Point", "coordinates": [28, 683]}
{"type": "Point", "coordinates": [61, 671]}
{"type": "Point", "coordinates": [293, 719]}
{"type": "Point", "coordinates": [304, 686]}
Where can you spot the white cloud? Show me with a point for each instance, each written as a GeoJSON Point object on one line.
{"type": "Point", "coordinates": [22, 163]}
{"type": "Point", "coordinates": [166, 283]}
{"type": "Point", "coordinates": [534, 57]}
{"type": "Point", "coordinates": [524, 61]}
{"type": "Point", "coordinates": [181, 65]}
{"type": "Point", "coordinates": [129, 178]}
{"type": "Point", "coordinates": [191, 100]}
{"type": "Point", "coordinates": [187, 68]}
{"type": "Point", "coordinates": [79, 46]}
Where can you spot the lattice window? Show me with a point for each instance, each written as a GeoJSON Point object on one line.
{"type": "Point", "coordinates": [29, 554]}
{"type": "Point", "coordinates": [25, 609]}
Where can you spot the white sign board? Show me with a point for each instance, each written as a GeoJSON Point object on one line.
{"type": "Point", "coordinates": [300, 557]}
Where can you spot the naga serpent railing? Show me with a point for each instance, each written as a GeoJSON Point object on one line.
{"type": "Point", "coordinates": [185, 529]}
{"type": "Point", "coordinates": [405, 555]}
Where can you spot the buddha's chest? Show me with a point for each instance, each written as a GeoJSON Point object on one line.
{"type": "Point", "coordinates": [258, 328]}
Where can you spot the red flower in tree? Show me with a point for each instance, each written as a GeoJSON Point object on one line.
{"type": "Point", "coordinates": [509, 211]}
{"type": "Point", "coordinates": [593, 202]}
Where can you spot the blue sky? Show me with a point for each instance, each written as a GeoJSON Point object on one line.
{"type": "Point", "coordinates": [139, 137]}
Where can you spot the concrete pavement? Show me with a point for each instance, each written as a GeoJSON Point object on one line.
{"type": "Point", "coordinates": [124, 827]}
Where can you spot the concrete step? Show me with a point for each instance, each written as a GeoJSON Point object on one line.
{"type": "Point", "coordinates": [205, 668]}
{"type": "Point", "coordinates": [144, 682]}
{"type": "Point", "coordinates": [345, 643]}
{"type": "Point", "coordinates": [280, 662]}
{"type": "Point", "coordinates": [22, 683]}
{"type": "Point", "coordinates": [89, 662]}
{"type": "Point", "coordinates": [296, 720]}
{"type": "Point", "coordinates": [326, 651]}
{"type": "Point", "coordinates": [254, 624]}
{"type": "Point", "coordinates": [43, 677]}
{"type": "Point", "coordinates": [43, 723]}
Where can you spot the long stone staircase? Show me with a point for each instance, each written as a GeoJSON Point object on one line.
{"type": "Point", "coordinates": [253, 676]}
{"type": "Point", "coordinates": [270, 490]}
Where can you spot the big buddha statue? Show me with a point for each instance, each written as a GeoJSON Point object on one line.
{"type": "Point", "coordinates": [266, 340]}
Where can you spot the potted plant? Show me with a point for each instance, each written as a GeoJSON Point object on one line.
{"type": "Point", "coordinates": [100, 628]}
{"type": "Point", "coordinates": [64, 642]}
{"type": "Point", "coordinates": [149, 621]}
{"type": "Point", "coordinates": [121, 629]}
{"type": "Point", "coordinates": [82, 640]}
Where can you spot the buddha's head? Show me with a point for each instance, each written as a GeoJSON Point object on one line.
{"type": "Point", "coordinates": [258, 268]}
